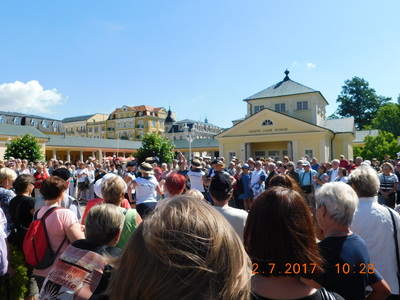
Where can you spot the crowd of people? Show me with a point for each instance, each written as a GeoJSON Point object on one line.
{"type": "Point", "coordinates": [207, 229]}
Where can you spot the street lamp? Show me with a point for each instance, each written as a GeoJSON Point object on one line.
{"type": "Point", "coordinates": [190, 137]}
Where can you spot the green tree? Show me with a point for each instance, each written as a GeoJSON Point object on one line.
{"type": "Point", "coordinates": [388, 119]}
{"type": "Point", "coordinates": [379, 146]}
{"type": "Point", "coordinates": [25, 147]}
{"type": "Point", "coordinates": [156, 145]}
{"type": "Point", "coordinates": [359, 101]}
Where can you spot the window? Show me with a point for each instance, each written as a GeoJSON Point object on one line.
{"type": "Point", "coordinates": [103, 128]}
{"type": "Point", "coordinates": [267, 123]}
{"type": "Point", "coordinates": [96, 129]}
{"type": "Point", "coordinates": [258, 108]}
{"type": "Point", "coordinates": [55, 126]}
{"type": "Point", "coordinates": [273, 153]}
{"type": "Point", "coordinates": [309, 152]}
{"type": "Point", "coordinates": [280, 107]}
{"type": "Point", "coordinates": [17, 121]}
{"type": "Point", "coordinates": [90, 129]}
{"type": "Point", "coordinates": [130, 124]}
{"type": "Point", "coordinates": [284, 153]}
{"type": "Point", "coordinates": [3, 120]}
{"type": "Point", "coordinates": [45, 124]}
{"type": "Point", "coordinates": [231, 155]}
{"type": "Point", "coordinates": [259, 153]}
{"type": "Point", "coordinates": [154, 123]}
{"type": "Point", "coordinates": [302, 105]}
{"type": "Point", "coordinates": [124, 124]}
{"type": "Point", "coordinates": [140, 113]}
{"type": "Point", "coordinates": [119, 125]}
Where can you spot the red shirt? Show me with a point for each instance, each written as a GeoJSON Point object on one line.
{"type": "Point", "coordinates": [39, 177]}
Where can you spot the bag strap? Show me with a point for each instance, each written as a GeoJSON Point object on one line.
{"type": "Point", "coordinates": [396, 243]}
{"type": "Point", "coordinates": [325, 295]}
{"type": "Point", "coordinates": [43, 218]}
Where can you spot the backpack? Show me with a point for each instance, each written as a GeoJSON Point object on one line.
{"type": "Point", "coordinates": [36, 246]}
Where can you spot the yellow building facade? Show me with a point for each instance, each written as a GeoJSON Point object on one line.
{"type": "Point", "coordinates": [287, 119]}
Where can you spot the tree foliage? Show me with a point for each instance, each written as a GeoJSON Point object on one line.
{"type": "Point", "coordinates": [378, 146]}
{"type": "Point", "coordinates": [25, 147]}
{"type": "Point", "coordinates": [156, 145]}
{"type": "Point", "coordinates": [388, 119]}
{"type": "Point", "coordinates": [359, 101]}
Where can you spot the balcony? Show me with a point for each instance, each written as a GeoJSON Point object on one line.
{"type": "Point", "coordinates": [139, 126]}
{"type": "Point", "coordinates": [110, 129]}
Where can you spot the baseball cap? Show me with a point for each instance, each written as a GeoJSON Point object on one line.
{"type": "Point", "coordinates": [221, 183]}
{"type": "Point", "coordinates": [63, 173]}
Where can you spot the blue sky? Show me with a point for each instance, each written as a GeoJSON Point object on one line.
{"type": "Point", "coordinates": [67, 58]}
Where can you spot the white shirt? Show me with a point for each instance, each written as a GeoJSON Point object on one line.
{"type": "Point", "coordinates": [374, 224]}
{"type": "Point", "coordinates": [146, 189]}
{"type": "Point", "coordinates": [196, 180]}
{"type": "Point", "coordinates": [333, 174]}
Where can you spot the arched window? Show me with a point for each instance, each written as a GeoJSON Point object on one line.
{"type": "Point", "coordinates": [3, 120]}
{"type": "Point", "coordinates": [267, 123]}
{"type": "Point", "coordinates": [34, 122]}
{"type": "Point", "coordinates": [17, 121]}
{"type": "Point", "coordinates": [55, 126]}
{"type": "Point", "coordinates": [45, 124]}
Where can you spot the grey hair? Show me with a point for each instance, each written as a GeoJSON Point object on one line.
{"type": "Point", "coordinates": [336, 161]}
{"type": "Point", "coordinates": [340, 201]}
{"type": "Point", "coordinates": [365, 181]}
{"type": "Point", "coordinates": [272, 164]}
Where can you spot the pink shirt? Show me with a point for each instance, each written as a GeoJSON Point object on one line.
{"type": "Point", "coordinates": [56, 223]}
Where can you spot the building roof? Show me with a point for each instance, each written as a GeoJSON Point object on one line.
{"type": "Point", "coordinates": [340, 125]}
{"type": "Point", "coordinates": [285, 87]}
{"type": "Point", "coordinates": [82, 142]}
{"type": "Point", "coordinates": [189, 121]}
{"type": "Point", "coordinates": [197, 143]}
{"type": "Point", "coordinates": [146, 108]}
{"type": "Point", "coordinates": [77, 119]}
{"type": "Point", "coordinates": [19, 130]}
{"type": "Point", "coordinates": [21, 115]}
{"type": "Point", "coordinates": [360, 135]}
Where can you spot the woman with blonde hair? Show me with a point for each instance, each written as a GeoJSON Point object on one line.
{"type": "Point", "coordinates": [388, 185]}
{"type": "Point", "coordinates": [7, 177]}
{"type": "Point", "coordinates": [183, 250]}
{"type": "Point", "coordinates": [113, 192]}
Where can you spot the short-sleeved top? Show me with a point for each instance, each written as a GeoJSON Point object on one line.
{"type": "Point", "coordinates": [146, 189]}
{"type": "Point", "coordinates": [347, 266]}
{"type": "Point", "coordinates": [3, 247]}
{"type": "Point", "coordinates": [316, 296]}
{"type": "Point", "coordinates": [5, 198]}
{"type": "Point", "coordinates": [323, 177]}
{"type": "Point", "coordinates": [20, 207]}
{"type": "Point", "coordinates": [306, 177]}
{"type": "Point", "coordinates": [95, 201]}
{"type": "Point", "coordinates": [236, 217]}
{"type": "Point", "coordinates": [256, 176]}
{"type": "Point", "coordinates": [57, 224]}
{"type": "Point", "coordinates": [387, 182]}
{"type": "Point", "coordinates": [39, 176]}
{"type": "Point", "coordinates": [196, 180]}
{"type": "Point", "coordinates": [129, 226]}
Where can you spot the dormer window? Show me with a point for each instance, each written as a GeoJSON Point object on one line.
{"type": "Point", "coordinates": [45, 124]}
{"type": "Point", "coordinates": [258, 108]}
{"type": "Point", "coordinates": [34, 122]}
{"type": "Point", "coordinates": [267, 123]}
{"type": "Point", "coordinates": [302, 105]}
{"type": "Point", "coordinates": [3, 120]}
{"type": "Point", "coordinates": [17, 121]}
{"type": "Point", "coordinates": [280, 107]}
{"type": "Point", "coordinates": [55, 126]}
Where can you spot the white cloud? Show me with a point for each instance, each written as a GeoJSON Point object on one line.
{"type": "Point", "coordinates": [28, 97]}
{"type": "Point", "coordinates": [308, 65]}
{"type": "Point", "coordinates": [311, 65]}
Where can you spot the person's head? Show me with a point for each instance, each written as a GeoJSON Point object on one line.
{"type": "Point", "coordinates": [146, 169]}
{"type": "Point", "coordinates": [113, 190]}
{"type": "Point", "coordinates": [306, 166]}
{"type": "Point", "coordinates": [359, 160]}
{"type": "Point", "coordinates": [335, 164]}
{"type": "Point", "coordinates": [387, 168]}
{"type": "Point", "coordinates": [52, 188]}
{"type": "Point", "coordinates": [103, 224]}
{"type": "Point", "coordinates": [39, 167]}
{"type": "Point", "coordinates": [195, 164]}
{"type": "Point", "coordinates": [23, 184]}
{"type": "Point", "coordinates": [219, 165]}
{"type": "Point", "coordinates": [338, 201]}
{"type": "Point", "coordinates": [280, 230]}
{"type": "Point", "coordinates": [387, 157]}
{"type": "Point", "coordinates": [285, 181]}
{"type": "Point", "coordinates": [364, 181]}
{"type": "Point", "coordinates": [291, 166]}
{"type": "Point", "coordinates": [183, 250]}
{"type": "Point", "coordinates": [342, 157]}
{"type": "Point", "coordinates": [175, 184]}
{"type": "Point", "coordinates": [314, 161]}
{"type": "Point", "coordinates": [221, 187]}
{"type": "Point", "coordinates": [64, 174]}
{"type": "Point", "coordinates": [321, 169]}
{"type": "Point", "coordinates": [374, 161]}
{"type": "Point", "coordinates": [258, 164]}
{"type": "Point", "coordinates": [130, 166]}
{"type": "Point", "coordinates": [7, 177]}
{"type": "Point", "coordinates": [271, 167]}
{"type": "Point", "coordinates": [300, 164]}
{"type": "Point", "coordinates": [285, 159]}
{"type": "Point", "coordinates": [342, 172]}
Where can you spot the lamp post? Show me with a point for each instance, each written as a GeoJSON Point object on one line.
{"type": "Point", "coordinates": [190, 137]}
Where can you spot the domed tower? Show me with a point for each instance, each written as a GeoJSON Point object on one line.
{"type": "Point", "coordinates": [169, 123]}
